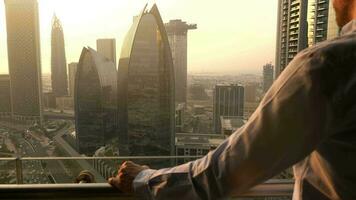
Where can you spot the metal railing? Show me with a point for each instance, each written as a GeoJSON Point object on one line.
{"type": "Point", "coordinates": [105, 191]}
{"type": "Point", "coordinates": [272, 188]}
{"type": "Point", "coordinates": [19, 161]}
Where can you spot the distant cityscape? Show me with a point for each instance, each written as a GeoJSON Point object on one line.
{"type": "Point", "coordinates": [143, 104]}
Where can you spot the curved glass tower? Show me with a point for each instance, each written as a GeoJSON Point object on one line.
{"type": "Point", "coordinates": [95, 100]}
{"type": "Point", "coordinates": [146, 88]}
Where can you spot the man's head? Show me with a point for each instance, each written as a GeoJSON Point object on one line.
{"type": "Point", "coordinates": [345, 11]}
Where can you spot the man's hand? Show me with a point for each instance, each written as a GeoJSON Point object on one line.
{"type": "Point", "coordinates": [126, 175]}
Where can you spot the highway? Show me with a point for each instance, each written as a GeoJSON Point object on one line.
{"type": "Point", "coordinates": [73, 153]}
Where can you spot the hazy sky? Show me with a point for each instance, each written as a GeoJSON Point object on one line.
{"type": "Point", "coordinates": [233, 36]}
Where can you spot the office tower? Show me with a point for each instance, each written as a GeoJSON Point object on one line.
{"type": "Point", "coordinates": [267, 76]}
{"type": "Point", "coordinates": [5, 98]}
{"type": "Point", "coordinates": [72, 69]}
{"type": "Point", "coordinates": [321, 21]}
{"type": "Point", "coordinates": [58, 60]}
{"type": "Point", "coordinates": [228, 101]}
{"type": "Point", "coordinates": [23, 43]}
{"type": "Point", "coordinates": [177, 31]}
{"type": "Point", "coordinates": [291, 31]}
{"type": "Point", "coordinates": [107, 47]}
{"type": "Point", "coordinates": [146, 88]}
{"type": "Point", "coordinates": [95, 98]}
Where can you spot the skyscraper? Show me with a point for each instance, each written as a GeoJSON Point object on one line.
{"type": "Point", "coordinates": [107, 47]}
{"type": "Point", "coordinates": [291, 31]}
{"type": "Point", "coordinates": [228, 101]}
{"type": "Point", "coordinates": [177, 36]}
{"type": "Point", "coordinates": [267, 76]}
{"type": "Point", "coordinates": [5, 98]}
{"type": "Point", "coordinates": [58, 60]}
{"type": "Point", "coordinates": [95, 101]}
{"type": "Point", "coordinates": [72, 69]}
{"type": "Point", "coordinates": [23, 42]}
{"type": "Point", "coordinates": [146, 88]}
{"type": "Point", "coordinates": [321, 21]}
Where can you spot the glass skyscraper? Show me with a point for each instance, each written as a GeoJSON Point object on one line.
{"type": "Point", "coordinates": [146, 88]}
{"type": "Point", "coordinates": [58, 60]}
{"type": "Point", "coordinates": [177, 31]}
{"type": "Point", "coordinates": [24, 55]}
{"type": "Point", "coordinates": [95, 97]}
{"type": "Point", "coordinates": [5, 98]}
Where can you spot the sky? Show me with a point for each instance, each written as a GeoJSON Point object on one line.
{"type": "Point", "coordinates": [233, 36]}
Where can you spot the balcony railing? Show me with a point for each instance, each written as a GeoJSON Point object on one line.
{"type": "Point", "coordinates": [102, 190]}
{"type": "Point", "coordinates": [89, 191]}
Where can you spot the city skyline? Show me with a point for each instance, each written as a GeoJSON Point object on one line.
{"type": "Point", "coordinates": [234, 31]}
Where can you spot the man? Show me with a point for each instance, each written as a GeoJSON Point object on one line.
{"type": "Point", "coordinates": [307, 119]}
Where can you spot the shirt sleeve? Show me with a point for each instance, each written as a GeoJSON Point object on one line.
{"type": "Point", "coordinates": [290, 122]}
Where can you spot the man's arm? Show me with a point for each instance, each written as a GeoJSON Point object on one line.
{"type": "Point", "coordinates": [290, 122]}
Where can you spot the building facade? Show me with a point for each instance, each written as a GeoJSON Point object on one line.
{"type": "Point", "coordinates": [58, 60]}
{"type": "Point", "coordinates": [5, 97]}
{"type": "Point", "coordinates": [321, 21]}
{"type": "Point", "coordinates": [192, 144]}
{"type": "Point", "coordinates": [268, 72]}
{"type": "Point", "coordinates": [292, 31]}
{"type": "Point", "coordinates": [72, 69]}
{"type": "Point", "coordinates": [251, 92]}
{"type": "Point", "coordinates": [177, 31]}
{"type": "Point", "coordinates": [24, 59]}
{"type": "Point", "coordinates": [228, 101]}
{"type": "Point", "coordinates": [95, 98]}
{"type": "Point", "coordinates": [231, 124]}
{"type": "Point", "coordinates": [146, 89]}
{"type": "Point", "coordinates": [107, 47]}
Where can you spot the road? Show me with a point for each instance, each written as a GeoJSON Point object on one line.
{"type": "Point", "coordinates": [73, 153]}
{"type": "Point", "coordinates": [38, 171]}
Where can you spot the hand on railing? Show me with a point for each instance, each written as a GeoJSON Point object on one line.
{"type": "Point", "coordinates": [126, 175]}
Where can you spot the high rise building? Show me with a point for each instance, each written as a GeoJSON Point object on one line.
{"type": "Point", "coordinates": [177, 31]}
{"type": "Point", "coordinates": [5, 98]}
{"type": "Point", "coordinates": [58, 60]}
{"type": "Point", "coordinates": [291, 31]}
{"type": "Point", "coordinates": [146, 88]}
{"type": "Point", "coordinates": [72, 69]}
{"type": "Point", "coordinates": [95, 102]}
{"type": "Point", "coordinates": [267, 76]}
{"type": "Point", "coordinates": [321, 21]}
{"type": "Point", "coordinates": [228, 101]}
{"type": "Point", "coordinates": [23, 43]}
{"type": "Point", "coordinates": [107, 47]}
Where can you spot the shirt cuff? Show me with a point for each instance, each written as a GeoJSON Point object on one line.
{"type": "Point", "coordinates": [141, 184]}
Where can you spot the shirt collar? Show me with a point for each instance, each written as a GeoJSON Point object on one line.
{"type": "Point", "coordinates": [349, 27]}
